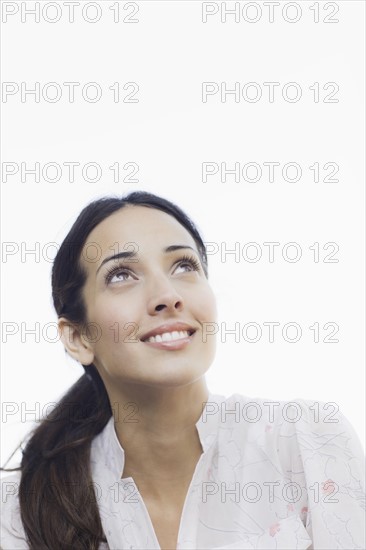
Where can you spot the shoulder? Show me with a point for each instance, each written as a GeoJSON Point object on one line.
{"type": "Point", "coordinates": [334, 468]}
{"type": "Point", "coordinates": [331, 451]}
{"type": "Point", "coordinates": [256, 415]}
{"type": "Point", "coordinates": [314, 433]}
{"type": "Point", "coordinates": [12, 531]}
{"type": "Point", "coordinates": [303, 418]}
{"type": "Point", "coordinates": [325, 433]}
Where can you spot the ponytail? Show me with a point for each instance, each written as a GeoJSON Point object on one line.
{"type": "Point", "coordinates": [57, 501]}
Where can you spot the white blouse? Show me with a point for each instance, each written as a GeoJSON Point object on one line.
{"type": "Point", "coordinates": [281, 475]}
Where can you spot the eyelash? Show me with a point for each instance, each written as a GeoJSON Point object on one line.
{"type": "Point", "coordinates": [121, 268]}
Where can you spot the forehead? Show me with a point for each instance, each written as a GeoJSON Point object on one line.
{"type": "Point", "coordinates": [148, 228]}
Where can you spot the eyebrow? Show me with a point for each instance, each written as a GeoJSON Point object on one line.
{"type": "Point", "coordinates": [168, 249]}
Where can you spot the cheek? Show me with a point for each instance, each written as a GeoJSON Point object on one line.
{"type": "Point", "coordinates": [205, 304]}
{"type": "Point", "coordinates": [116, 321]}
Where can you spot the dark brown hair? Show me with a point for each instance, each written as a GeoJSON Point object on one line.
{"type": "Point", "coordinates": [58, 507]}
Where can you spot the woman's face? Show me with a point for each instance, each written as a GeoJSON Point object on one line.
{"type": "Point", "coordinates": [126, 298]}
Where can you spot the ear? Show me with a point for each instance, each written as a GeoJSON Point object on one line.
{"type": "Point", "coordinates": [75, 342]}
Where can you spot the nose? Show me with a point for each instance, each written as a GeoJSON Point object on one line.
{"type": "Point", "coordinates": [164, 295]}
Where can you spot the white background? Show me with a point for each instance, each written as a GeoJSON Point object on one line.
{"type": "Point", "coordinates": [169, 133]}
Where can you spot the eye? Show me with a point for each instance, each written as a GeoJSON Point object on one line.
{"type": "Point", "coordinates": [116, 271]}
{"type": "Point", "coordinates": [189, 261]}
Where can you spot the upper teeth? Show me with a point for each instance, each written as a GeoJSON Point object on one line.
{"type": "Point", "coordinates": [167, 336]}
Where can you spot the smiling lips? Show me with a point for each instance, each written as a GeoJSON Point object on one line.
{"type": "Point", "coordinates": [169, 336]}
{"type": "Point", "coordinates": [170, 341]}
{"type": "Point", "coordinates": [168, 327]}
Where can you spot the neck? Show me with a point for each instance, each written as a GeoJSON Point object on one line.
{"type": "Point", "coordinates": [156, 428]}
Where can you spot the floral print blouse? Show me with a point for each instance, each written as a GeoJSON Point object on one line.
{"type": "Point", "coordinates": [272, 475]}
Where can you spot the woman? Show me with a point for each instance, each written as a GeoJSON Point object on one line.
{"type": "Point", "coordinates": [139, 453]}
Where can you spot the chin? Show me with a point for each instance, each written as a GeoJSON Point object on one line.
{"type": "Point", "coordinates": [175, 376]}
